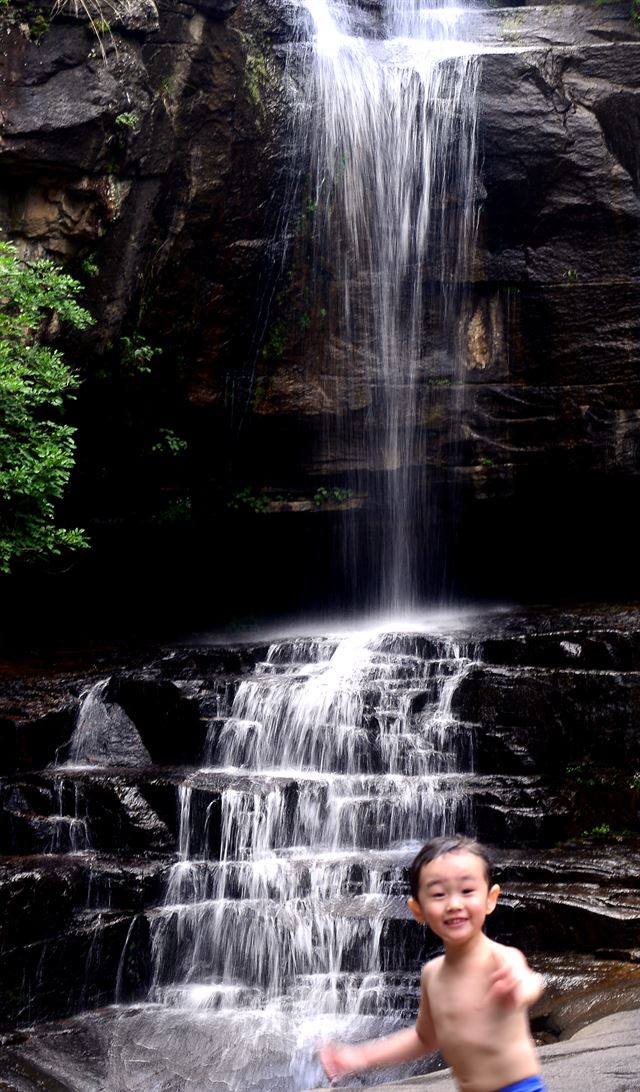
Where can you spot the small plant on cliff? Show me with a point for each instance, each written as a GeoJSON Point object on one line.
{"type": "Point", "coordinates": [602, 830]}
{"type": "Point", "coordinates": [246, 499]}
{"type": "Point", "coordinates": [93, 11]}
{"type": "Point", "coordinates": [136, 355]}
{"type": "Point", "coordinates": [36, 446]}
{"type": "Point", "coordinates": [169, 443]}
{"type": "Point", "coordinates": [89, 266]}
{"type": "Point", "coordinates": [38, 26]}
{"type": "Point", "coordinates": [128, 121]}
{"type": "Point", "coordinates": [275, 341]}
{"type": "Point", "coordinates": [325, 495]}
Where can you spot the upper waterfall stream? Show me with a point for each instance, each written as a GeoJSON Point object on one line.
{"type": "Point", "coordinates": [392, 144]}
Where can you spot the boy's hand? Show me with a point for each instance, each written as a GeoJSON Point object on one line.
{"type": "Point", "coordinates": [337, 1061]}
{"type": "Point", "coordinates": [504, 983]}
{"type": "Point", "coordinates": [514, 985]}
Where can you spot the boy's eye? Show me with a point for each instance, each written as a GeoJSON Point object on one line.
{"type": "Point", "coordinates": [468, 890]}
{"type": "Point", "coordinates": [437, 894]}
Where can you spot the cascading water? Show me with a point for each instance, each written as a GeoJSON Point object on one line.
{"type": "Point", "coordinates": [339, 757]}
{"type": "Point", "coordinates": [393, 149]}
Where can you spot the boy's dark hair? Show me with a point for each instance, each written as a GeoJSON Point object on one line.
{"type": "Point", "coordinates": [438, 847]}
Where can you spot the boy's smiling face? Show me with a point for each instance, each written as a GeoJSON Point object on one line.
{"type": "Point", "coordinates": [454, 896]}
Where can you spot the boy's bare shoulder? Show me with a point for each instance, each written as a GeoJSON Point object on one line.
{"type": "Point", "coordinates": [506, 952]}
{"type": "Point", "coordinates": [431, 968]}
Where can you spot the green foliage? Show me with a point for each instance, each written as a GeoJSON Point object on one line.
{"type": "Point", "coordinates": [581, 775]}
{"type": "Point", "coordinates": [602, 830]}
{"type": "Point", "coordinates": [259, 77]}
{"type": "Point", "coordinates": [259, 392]}
{"type": "Point", "coordinates": [487, 463]}
{"type": "Point", "coordinates": [169, 443]}
{"type": "Point", "coordinates": [38, 26]}
{"type": "Point", "coordinates": [102, 26]}
{"type": "Point", "coordinates": [570, 276]}
{"type": "Point", "coordinates": [90, 267]}
{"type": "Point", "coordinates": [177, 510]}
{"type": "Point", "coordinates": [128, 121]}
{"type": "Point", "coordinates": [168, 86]}
{"type": "Point", "coordinates": [275, 342]}
{"type": "Point", "coordinates": [36, 447]}
{"type": "Point", "coordinates": [635, 10]}
{"type": "Point", "coordinates": [323, 495]}
{"type": "Point", "coordinates": [137, 355]}
{"type": "Point", "coordinates": [248, 500]}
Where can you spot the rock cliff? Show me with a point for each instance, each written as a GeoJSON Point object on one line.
{"type": "Point", "coordinates": [148, 148]}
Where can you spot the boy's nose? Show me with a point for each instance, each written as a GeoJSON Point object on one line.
{"type": "Point", "coordinates": [453, 901]}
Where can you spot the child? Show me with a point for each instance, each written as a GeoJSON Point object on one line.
{"type": "Point", "coordinates": [474, 998]}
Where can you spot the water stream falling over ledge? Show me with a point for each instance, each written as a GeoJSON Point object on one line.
{"type": "Point", "coordinates": [392, 143]}
{"type": "Point", "coordinates": [339, 757]}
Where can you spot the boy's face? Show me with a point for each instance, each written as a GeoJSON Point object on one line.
{"type": "Point", "coordinates": [454, 897]}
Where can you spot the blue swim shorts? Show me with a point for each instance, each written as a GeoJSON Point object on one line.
{"type": "Point", "coordinates": [529, 1084]}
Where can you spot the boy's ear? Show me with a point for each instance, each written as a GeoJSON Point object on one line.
{"type": "Point", "coordinates": [416, 910]}
{"type": "Point", "coordinates": [492, 898]}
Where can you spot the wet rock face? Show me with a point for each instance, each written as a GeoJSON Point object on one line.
{"type": "Point", "coordinates": [166, 165]}
{"type": "Point", "coordinates": [124, 137]}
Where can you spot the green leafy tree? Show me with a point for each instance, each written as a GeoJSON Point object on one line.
{"type": "Point", "coordinates": [36, 446]}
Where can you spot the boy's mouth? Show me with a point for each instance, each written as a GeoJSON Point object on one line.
{"type": "Point", "coordinates": [452, 922]}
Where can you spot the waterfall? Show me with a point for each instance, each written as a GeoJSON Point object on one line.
{"type": "Point", "coordinates": [340, 756]}
{"type": "Point", "coordinates": [392, 140]}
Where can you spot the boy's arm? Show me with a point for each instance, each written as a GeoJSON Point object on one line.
{"type": "Point", "coordinates": [404, 1046]}
{"type": "Point", "coordinates": [513, 981]}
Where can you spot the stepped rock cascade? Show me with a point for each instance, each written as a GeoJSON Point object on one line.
{"type": "Point", "coordinates": [338, 759]}
{"type": "Point", "coordinates": [233, 887]}
{"type": "Point", "coordinates": [393, 149]}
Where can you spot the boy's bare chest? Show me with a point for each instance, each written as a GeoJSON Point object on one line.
{"type": "Point", "coordinates": [454, 998]}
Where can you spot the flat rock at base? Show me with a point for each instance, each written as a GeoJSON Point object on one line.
{"type": "Point", "coordinates": [604, 1057]}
